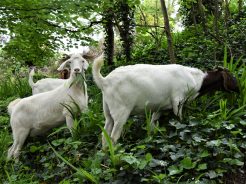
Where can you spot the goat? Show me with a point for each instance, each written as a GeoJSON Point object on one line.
{"type": "Point", "coordinates": [48, 84]}
{"type": "Point", "coordinates": [44, 85]}
{"type": "Point", "coordinates": [37, 114]}
{"type": "Point", "coordinates": [134, 88]}
{"type": "Point", "coordinates": [64, 74]}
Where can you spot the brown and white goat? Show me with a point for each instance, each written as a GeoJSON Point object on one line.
{"type": "Point", "coordinates": [133, 89]}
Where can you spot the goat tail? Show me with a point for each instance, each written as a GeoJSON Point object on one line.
{"type": "Point", "coordinates": [12, 105]}
{"type": "Point", "coordinates": [30, 80]}
{"type": "Point", "coordinates": [96, 68]}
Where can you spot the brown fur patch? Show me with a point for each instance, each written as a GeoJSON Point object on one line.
{"type": "Point", "coordinates": [219, 80]}
{"type": "Point", "coordinates": [64, 74]}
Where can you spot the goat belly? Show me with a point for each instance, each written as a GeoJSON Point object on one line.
{"type": "Point", "coordinates": [42, 127]}
{"type": "Point", "coordinates": [153, 107]}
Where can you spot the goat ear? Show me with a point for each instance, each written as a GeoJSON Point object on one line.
{"type": "Point", "coordinates": [62, 66]}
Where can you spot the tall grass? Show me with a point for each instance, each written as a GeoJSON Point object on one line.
{"type": "Point", "coordinates": [14, 86]}
{"type": "Point", "coordinates": [80, 171]}
{"type": "Point", "coordinates": [149, 126]}
{"type": "Point", "coordinates": [110, 146]}
{"type": "Point", "coordinates": [238, 68]}
{"type": "Point", "coordinates": [5, 139]}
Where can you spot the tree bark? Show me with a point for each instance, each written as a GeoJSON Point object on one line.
{"type": "Point", "coordinates": [126, 32]}
{"type": "Point", "coordinates": [109, 39]}
{"type": "Point", "coordinates": [168, 32]}
{"type": "Point", "coordinates": [194, 17]}
{"type": "Point", "coordinates": [215, 22]}
{"type": "Point", "coordinates": [227, 15]}
{"type": "Point", "coordinates": [216, 18]}
{"type": "Point", "coordinates": [227, 10]}
{"type": "Point", "coordinates": [202, 14]}
{"type": "Point", "coordinates": [240, 7]}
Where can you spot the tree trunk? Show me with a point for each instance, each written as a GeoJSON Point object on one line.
{"type": "Point", "coordinates": [202, 14]}
{"type": "Point", "coordinates": [227, 10]}
{"type": "Point", "coordinates": [194, 17]}
{"type": "Point", "coordinates": [240, 7]}
{"type": "Point", "coordinates": [168, 32]}
{"type": "Point", "coordinates": [109, 39]}
{"type": "Point", "coordinates": [216, 18]}
{"type": "Point", "coordinates": [126, 32]}
{"type": "Point", "coordinates": [216, 29]}
{"type": "Point", "coordinates": [124, 21]}
{"type": "Point", "coordinates": [227, 15]}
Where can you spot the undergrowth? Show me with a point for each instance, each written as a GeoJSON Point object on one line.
{"type": "Point", "coordinates": [205, 147]}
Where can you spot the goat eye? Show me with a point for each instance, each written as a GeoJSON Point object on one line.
{"type": "Point", "coordinates": [69, 62]}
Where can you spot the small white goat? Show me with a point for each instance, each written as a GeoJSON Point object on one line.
{"type": "Point", "coordinates": [48, 84]}
{"type": "Point", "coordinates": [44, 85]}
{"type": "Point", "coordinates": [37, 114]}
{"type": "Point", "coordinates": [132, 89]}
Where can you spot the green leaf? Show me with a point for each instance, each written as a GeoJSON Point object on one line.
{"type": "Point", "coordinates": [177, 124]}
{"type": "Point", "coordinates": [141, 146]}
{"type": "Point", "coordinates": [173, 170]}
{"type": "Point", "coordinates": [58, 142]}
{"type": "Point", "coordinates": [229, 127]}
{"type": "Point", "coordinates": [33, 149]}
{"type": "Point", "coordinates": [197, 138]}
{"type": "Point", "coordinates": [130, 159]}
{"type": "Point", "coordinates": [236, 132]}
{"type": "Point", "coordinates": [233, 161]}
{"type": "Point", "coordinates": [205, 153]}
{"type": "Point", "coordinates": [148, 157]}
{"type": "Point", "coordinates": [212, 174]}
{"type": "Point", "coordinates": [201, 167]}
{"type": "Point", "coordinates": [243, 122]}
{"type": "Point", "coordinates": [214, 143]}
{"type": "Point", "coordinates": [187, 163]}
{"type": "Point", "coordinates": [142, 164]}
{"type": "Point", "coordinates": [159, 177]}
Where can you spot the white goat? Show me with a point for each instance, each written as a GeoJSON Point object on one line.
{"type": "Point", "coordinates": [44, 85]}
{"type": "Point", "coordinates": [133, 89]}
{"type": "Point", "coordinates": [48, 84]}
{"type": "Point", "coordinates": [37, 114]}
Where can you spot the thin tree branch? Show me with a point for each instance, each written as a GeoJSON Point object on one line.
{"type": "Point", "coordinates": [150, 26]}
{"type": "Point", "coordinates": [30, 9]}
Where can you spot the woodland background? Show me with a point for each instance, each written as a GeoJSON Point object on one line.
{"type": "Point", "coordinates": [208, 146]}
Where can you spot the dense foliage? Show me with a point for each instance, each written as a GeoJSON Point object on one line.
{"type": "Point", "coordinates": [207, 146]}
{"type": "Point", "coordinates": [37, 28]}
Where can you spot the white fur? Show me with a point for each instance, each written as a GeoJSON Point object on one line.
{"type": "Point", "coordinates": [44, 85]}
{"type": "Point", "coordinates": [37, 114]}
{"type": "Point", "coordinates": [133, 89]}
